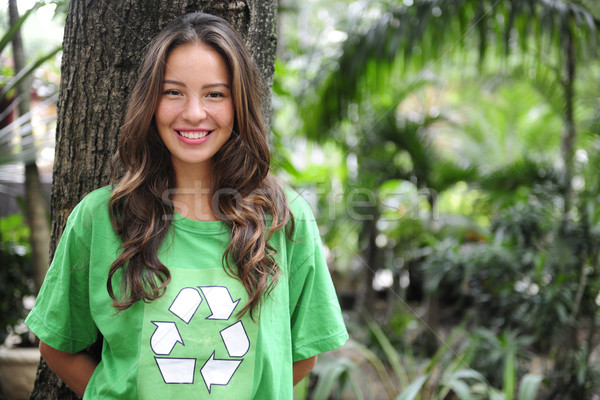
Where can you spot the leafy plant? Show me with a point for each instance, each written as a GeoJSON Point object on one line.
{"type": "Point", "coordinates": [15, 274]}
{"type": "Point", "coordinates": [453, 368]}
{"type": "Point", "coordinates": [335, 375]}
{"type": "Point", "coordinates": [516, 250]}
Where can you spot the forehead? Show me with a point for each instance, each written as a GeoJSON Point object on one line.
{"type": "Point", "coordinates": [196, 61]}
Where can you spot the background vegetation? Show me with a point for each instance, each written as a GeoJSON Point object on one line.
{"type": "Point", "coordinates": [29, 76]}
{"type": "Point", "coordinates": [450, 150]}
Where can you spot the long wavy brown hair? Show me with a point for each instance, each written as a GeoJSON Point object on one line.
{"type": "Point", "coordinates": [245, 195]}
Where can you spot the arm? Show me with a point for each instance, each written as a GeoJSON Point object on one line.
{"type": "Point", "coordinates": [75, 369]}
{"type": "Point", "coordinates": [303, 367]}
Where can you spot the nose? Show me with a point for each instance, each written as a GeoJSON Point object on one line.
{"type": "Point", "coordinates": [195, 109]}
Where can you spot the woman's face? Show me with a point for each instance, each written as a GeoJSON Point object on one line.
{"type": "Point", "coordinates": [195, 114]}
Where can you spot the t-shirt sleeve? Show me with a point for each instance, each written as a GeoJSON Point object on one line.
{"type": "Point", "coordinates": [317, 323]}
{"type": "Point", "coordinates": [61, 316]}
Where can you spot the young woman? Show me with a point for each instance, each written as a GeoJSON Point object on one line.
{"type": "Point", "coordinates": [205, 278]}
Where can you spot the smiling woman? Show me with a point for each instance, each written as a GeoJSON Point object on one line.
{"type": "Point", "coordinates": [205, 277]}
{"type": "Point", "coordinates": [194, 118]}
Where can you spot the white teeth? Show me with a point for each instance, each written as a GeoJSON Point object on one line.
{"type": "Point", "coordinates": [193, 135]}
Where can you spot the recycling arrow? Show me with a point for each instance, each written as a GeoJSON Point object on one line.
{"type": "Point", "coordinates": [165, 337]}
{"type": "Point", "coordinates": [218, 372]}
{"type": "Point", "coordinates": [236, 340]}
{"type": "Point", "coordinates": [219, 301]}
{"type": "Point", "coordinates": [176, 370]}
{"type": "Point", "coordinates": [186, 303]}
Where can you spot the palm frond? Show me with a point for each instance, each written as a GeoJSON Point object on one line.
{"type": "Point", "coordinates": [434, 29]}
{"type": "Point", "coordinates": [27, 71]}
{"type": "Point", "coordinates": [7, 37]}
{"type": "Point", "coordinates": [523, 172]}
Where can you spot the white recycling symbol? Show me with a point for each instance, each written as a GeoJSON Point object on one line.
{"type": "Point", "coordinates": [166, 336]}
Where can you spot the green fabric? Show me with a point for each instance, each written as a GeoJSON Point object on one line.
{"type": "Point", "coordinates": [189, 343]}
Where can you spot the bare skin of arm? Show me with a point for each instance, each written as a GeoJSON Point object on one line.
{"type": "Point", "coordinates": [301, 368]}
{"type": "Point", "coordinates": [75, 369]}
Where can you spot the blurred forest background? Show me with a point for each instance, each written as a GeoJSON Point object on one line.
{"type": "Point", "coordinates": [450, 150]}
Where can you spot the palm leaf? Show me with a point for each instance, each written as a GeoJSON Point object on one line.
{"type": "Point", "coordinates": [27, 71]}
{"type": "Point", "coordinates": [523, 172]}
{"type": "Point", "coordinates": [390, 352]}
{"type": "Point", "coordinates": [335, 372]}
{"type": "Point", "coordinates": [529, 387]}
{"type": "Point", "coordinates": [368, 57]}
{"type": "Point", "coordinates": [7, 37]}
{"type": "Point", "coordinates": [412, 390]}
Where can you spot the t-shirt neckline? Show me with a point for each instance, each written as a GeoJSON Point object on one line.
{"type": "Point", "coordinates": [179, 221]}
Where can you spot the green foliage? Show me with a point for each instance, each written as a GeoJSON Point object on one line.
{"type": "Point", "coordinates": [26, 72]}
{"type": "Point", "coordinates": [301, 389]}
{"type": "Point", "coordinates": [444, 122]}
{"type": "Point", "coordinates": [21, 128]}
{"type": "Point", "coordinates": [15, 281]}
{"type": "Point", "coordinates": [334, 375]}
{"type": "Point", "coordinates": [412, 391]}
{"type": "Point", "coordinates": [529, 387]}
{"type": "Point", "coordinates": [411, 36]}
{"type": "Point", "coordinates": [449, 372]}
{"type": "Point", "coordinates": [7, 37]}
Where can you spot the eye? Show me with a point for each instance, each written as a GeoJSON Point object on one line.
{"type": "Point", "coordinates": [215, 95]}
{"type": "Point", "coordinates": [172, 92]}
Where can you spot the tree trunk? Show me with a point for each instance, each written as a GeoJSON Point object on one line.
{"type": "Point", "coordinates": [569, 133]}
{"type": "Point", "coordinates": [372, 263]}
{"type": "Point", "coordinates": [35, 204]}
{"type": "Point", "coordinates": [430, 340]}
{"type": "Point", "coordinates": [567, 342]}
{"type": "Point", "coordinates": [103, 45]}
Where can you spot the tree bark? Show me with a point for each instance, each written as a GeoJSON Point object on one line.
{"type": "Point", "coordinates": [104, 42]}
{"type": "Point", "coordinates": [36, 208]}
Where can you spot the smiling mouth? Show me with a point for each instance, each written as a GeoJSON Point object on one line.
{"type": "Point", "coordinates": [194, 134]}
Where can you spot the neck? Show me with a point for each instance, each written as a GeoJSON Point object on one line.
{"type": "Point", "coordinates": [192, 197]}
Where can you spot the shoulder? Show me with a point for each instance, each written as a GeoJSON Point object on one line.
{"type": "Point", "coordinates": [97, 197]}
{"type": "Point", "coordinates": [89, 219]}
{"type": "Point", "coordinates": [93, 205]}
{"type": "Point", "coordinates": [299, 207]}
{"type": "Point", "coordinates": [305, 229]}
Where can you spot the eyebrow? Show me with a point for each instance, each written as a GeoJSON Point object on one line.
{"type": "Point", "coordinates": [208, 86]}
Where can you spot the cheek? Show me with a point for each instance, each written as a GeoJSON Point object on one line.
{"type": "Point", "coordinates": [164, 113]}
{"type": "Point", "coordinates": [227, 116]}
{"type": "Point", "coordinates": [159, 114]}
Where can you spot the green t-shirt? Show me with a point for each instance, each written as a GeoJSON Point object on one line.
{"type": "Point", "coordinates": [188, 344]}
